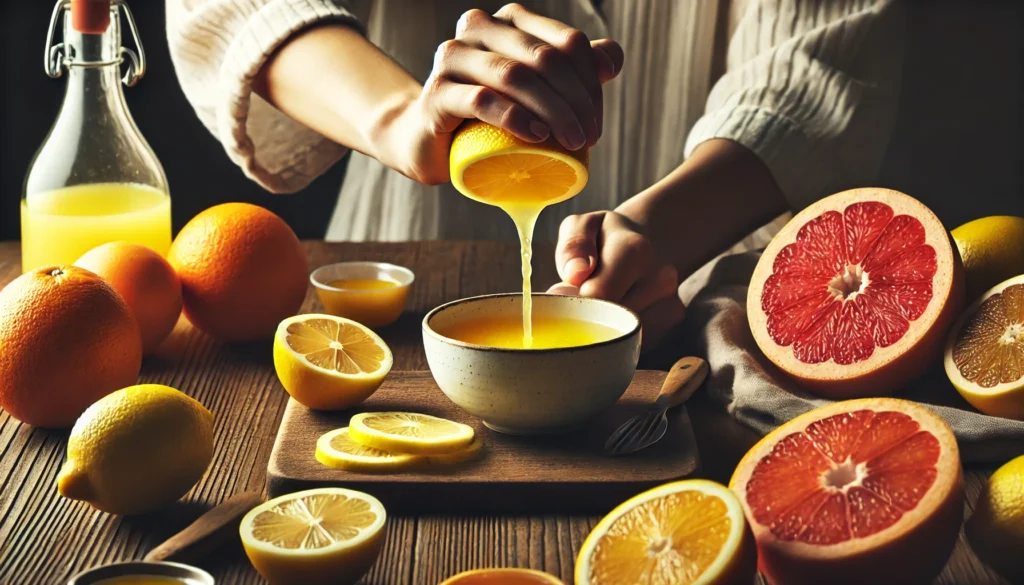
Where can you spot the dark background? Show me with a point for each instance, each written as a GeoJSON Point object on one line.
{"type": "Point", "coordinates": [198, 170]}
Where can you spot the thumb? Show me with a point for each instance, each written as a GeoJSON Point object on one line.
{"type": "Point", "coordinates": [610, 57]}
{"type": "Point", "coordinates": [576, 253]}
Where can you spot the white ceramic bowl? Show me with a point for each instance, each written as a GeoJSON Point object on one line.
{"type": "Point", "coordinates": [532, 391]}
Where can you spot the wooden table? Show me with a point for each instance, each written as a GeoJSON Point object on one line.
{"type": "Point", "coordinates": [44, 539]}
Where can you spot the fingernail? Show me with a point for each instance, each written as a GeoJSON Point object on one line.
{"type": "Point", "coordinates": [608, 63]}
{"type": "Point", "coordinates": [539, 130]}
{"type": "Point", "coordinates": [574, 137]}
{"type": "Point", "coordinates": [576, 265]}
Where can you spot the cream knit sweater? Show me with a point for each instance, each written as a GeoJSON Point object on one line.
{"type": "Point", "coordinates": [813, 87]}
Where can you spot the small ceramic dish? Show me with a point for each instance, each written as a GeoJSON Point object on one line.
{"type": "Point", "coordinates": [532, 391]}
{"type": "Point", "coordinates": [502, 577]}
{"type": "Point", "coordinates": [371, 293]}
{"type": "Point", "coordinates": [116, 573]}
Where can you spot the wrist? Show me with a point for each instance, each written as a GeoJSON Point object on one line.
{"type": "Point", "coordinates": [383, 131]}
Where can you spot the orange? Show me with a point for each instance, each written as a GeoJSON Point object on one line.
{"type": "Point", "coordinates": [68, 340]}
{"type": "Point", "coordinates": [242, 271]}
{"type": "Point", "coordinates": [145, 280]}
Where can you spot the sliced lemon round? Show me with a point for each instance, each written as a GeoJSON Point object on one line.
{"type": "Point", "coordinates": [329, 363]}
{"type": "Point", "coordinates": [985, 351]}
{"type": "Point", "coordinates": [690, 532]}
{"type": "Point", "coordinates": [337, 449]}
{"type": "Point", "coordinates": [410, 432]}
{"type": "Point", "coordinates": [469, 453]}
{"type": "Point", "coordinates": [491, 165]}
{"type": "Point", "coordinates": [315, 537]}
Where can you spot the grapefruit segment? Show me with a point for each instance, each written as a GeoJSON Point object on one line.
{"type": "Point", "coordinates": [853, 296]}
{"type": "Point", "coordinates": [842, 492]}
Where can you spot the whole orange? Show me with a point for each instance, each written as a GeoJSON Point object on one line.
{"type": "Point", "coordinates": [145, 280]}
{"type": "Point", "coordinates": [68, 340]}
{"type": "Point", "coordinates": [242, 271]}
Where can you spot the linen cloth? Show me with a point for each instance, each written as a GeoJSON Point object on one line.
{"type": "Point", "coordinates": [762, 397]}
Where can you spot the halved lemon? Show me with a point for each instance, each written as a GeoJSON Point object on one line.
{"type": "Point", "coordinates": [491, 165]}
{"type": "Point", "coordinates": [315, 537]}
{"type": "Point", "coordinates": [690, 532]}
{"type": "Point", "coordinates": [329, 363]}
{"type": "Point", "coordinates": [337, 449]}
{"type": "Point", "coordinates": [985, 351]}
{"type": "Point", "coordinates": [409, 432]}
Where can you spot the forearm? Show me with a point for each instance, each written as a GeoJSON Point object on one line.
{"type": "Point", "coordinates": [335, 81]}
{"type": "Point", "coordinates": [719, 195]}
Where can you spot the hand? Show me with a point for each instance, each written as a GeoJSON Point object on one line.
{"type": "Point", "coordinates": [606, 255]}
{"type": "Point", "coordinates": [526, 73]}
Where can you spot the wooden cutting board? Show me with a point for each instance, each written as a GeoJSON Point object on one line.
{"type": "Point", "coordinates": [555, 473]}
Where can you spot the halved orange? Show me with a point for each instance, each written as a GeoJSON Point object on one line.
{"type": "Point", "coordinates": [491, 165]}
{"type": "Point", "coordinates": [689, 532]}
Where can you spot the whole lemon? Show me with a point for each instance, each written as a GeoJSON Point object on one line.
{"type": "Point", "coordinates": [996, 530]}
{"type": "Point", "coordinates": [137, 450]}
{"type": "Point", "coordinates": [992, 249]}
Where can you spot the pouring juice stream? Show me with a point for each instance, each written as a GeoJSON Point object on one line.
{"type": "Point", "coordinates": [494, 167]}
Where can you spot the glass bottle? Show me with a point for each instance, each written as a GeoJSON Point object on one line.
{"type": "Point", "coordinates": [95, 179]}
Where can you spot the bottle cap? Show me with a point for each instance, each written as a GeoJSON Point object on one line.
{"type": "Point", "coordinates": [91, 17]}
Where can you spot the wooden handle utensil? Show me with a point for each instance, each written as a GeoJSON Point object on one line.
{"type": "Point", "coordinates": [208, 532]}
{"type": "Point", "coordinates": [683, 380]}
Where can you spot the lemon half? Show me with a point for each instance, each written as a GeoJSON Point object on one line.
{"type": "Point", "coordinates": [325, 536]}
{"type": "Point", "coordinates": [329, 363]}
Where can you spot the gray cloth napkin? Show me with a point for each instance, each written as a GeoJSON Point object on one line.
{"type": "Point", "coordinates": [762, 397]}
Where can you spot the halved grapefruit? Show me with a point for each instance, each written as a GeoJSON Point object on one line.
{"type": "Point", "coordinates": [855, 294]}
{"type": "Point", "coordinates": [862, 491]}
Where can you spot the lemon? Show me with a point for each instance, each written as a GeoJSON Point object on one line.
{"type": "Point", "coordinates": [409, 432]}
{"type": "Point", "coordinates": [984, 356]}
{"type": "Point", "coordinates": [336, 449]}
{"type": "Point", "coordinates": [315, 537]}
{"type": "Point", "coordinates": [992, 249]}
{"type": "Point", "coordinates": [690, 532]}
{"type": "Point", "coordinates": [329, 363]}
{"type": "Point", "coordinates": [996, 530]}
{"type": "Point", "coordinates": [491, 165]}
{"type": "Point", "coordinates": [468, 453]}
{"type": "Point", "coordinates": [137, 450]}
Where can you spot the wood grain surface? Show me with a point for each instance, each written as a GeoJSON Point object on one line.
{"type": "Point", "coordinates": [550, 473]}
{"type": "Point", "coordinates": [45, 539]}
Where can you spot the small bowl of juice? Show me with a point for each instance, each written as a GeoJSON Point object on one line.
{"type": "Point", "coordinates": [143, 573]}
{"type": "Point", "coordinates": [371, 293]}
{"type": "Point", "coordinates": [580, 361]}
{"type": "Point", "coordinates": [502, 577]}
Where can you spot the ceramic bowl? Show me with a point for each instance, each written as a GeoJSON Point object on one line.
{"type": "Point", "coordinates": [502, 576]}
{"type": "Point", "coordinates": [532, 391]}
{"type": "Point", "coordinates": [186, 574]}
{"type": "Point", "coordinates": [373, 307]}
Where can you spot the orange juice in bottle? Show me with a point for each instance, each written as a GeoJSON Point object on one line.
{"type": "Point", "coordinates": [95, 179]}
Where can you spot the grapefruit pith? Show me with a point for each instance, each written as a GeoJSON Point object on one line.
{"type": "Point", "coordinates": [855, 294]}
{"type": "Point", "coordinates": [862, 491]}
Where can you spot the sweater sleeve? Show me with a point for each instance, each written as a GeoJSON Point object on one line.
{"type": "Point", "coordinates": [812, 88]}
{"type": "Point", "coordinates": [218, 47]}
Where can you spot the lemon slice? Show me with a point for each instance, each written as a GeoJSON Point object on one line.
{"type": "Point", "coordinates": [329, 363]}
{"type": "Point", "coordinates": [984, 356]}
{"type": "Point", "coordinates": [315, 537]}
{"type": "Point", "coordinates": [409, 432]}
{"type": "Point", "coordinates": [689, 532]}
{"type": "Point", "coordinates": [469, 453]}
{"type": "Point", "coordinates": [337, 449]}
{"type": "Point", "coordinates": [491, 165]}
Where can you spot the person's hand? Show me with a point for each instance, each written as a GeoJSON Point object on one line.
{"type": "Point", "coordinates": [531, 75]}
{"type": "Point", "coordinates": [605, 255]}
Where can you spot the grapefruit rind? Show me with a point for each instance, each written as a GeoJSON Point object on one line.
{"type": "Point", "coordinates": [887, 368]}
{"type": "Point", "coordinates": [729, 564]}
{"type": "Point", "coordinates": [1005, 399]}
{"type": "Point", "coordinates": [935, 520]}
